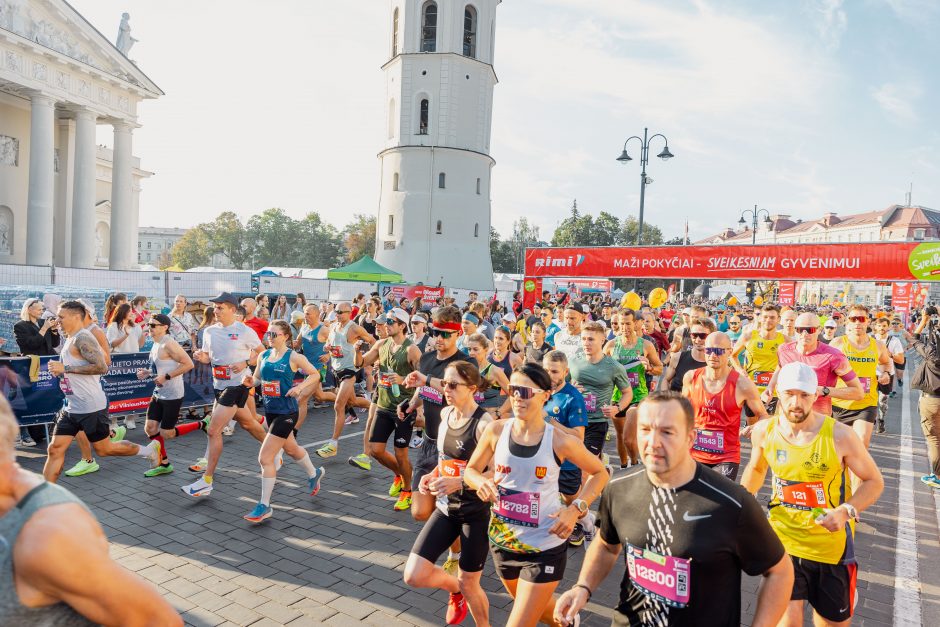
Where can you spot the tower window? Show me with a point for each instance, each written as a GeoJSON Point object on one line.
{"type": "Point", "coordinates": [476, 230]}
{"type": "Point", "coordinates": [395, 33]}
{"type": "Point", "coordinates": [440, 227]}
{"type": "Point", "coordinates": [470, 32]}
{"type": "Point", "coordinates": [442, 180]}
{"type": "Point", "coordinates": [423, 117]}
{"type": "Point", "coordinates": [391, 225]}
{"type": "Point", "coordinates": [478, 187]}
{"type": "Point", "coordinates": [429, 27]}
{"type": "Point", "coordinates": [395, 182]}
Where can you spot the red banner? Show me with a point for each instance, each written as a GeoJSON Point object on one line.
{"type": "Point", "coordinates": [581, 285]}
{"type": "Point", "coordinates": [901, 294]}
{"type": "Point", "coordinates": [786, 293]}
{"type": "Point", "coordinates": [902, 261]}
{"type": "Point", "coordinates": [412, 291]}
{"type": "Point", "coordinates": [531, 292]}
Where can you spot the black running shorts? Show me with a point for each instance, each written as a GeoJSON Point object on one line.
{"type": "Point", "coordinates": [594, 434]}
{"type": "Point", "coordinates": [235, 396]}
{"type": "Point", "coordinates": [441, 530]}
{"type": "Point", "coordinates": [164, 411]}
{"type": "Point", "coordinates": [281, 425]}
{"type": "Point", "coordinates": [543, 567]}
{"type": "Point", "coordinates": [96, 425]}
{"type": "Point", "coordinates": [386, 423]}
{"type": "Point", "coordinates": [849, 416]}
{"type": "Point", "coordinates": [829, 588]}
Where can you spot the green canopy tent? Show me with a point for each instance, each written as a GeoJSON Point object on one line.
{"type": "Point", "coordinates": [366, 269]}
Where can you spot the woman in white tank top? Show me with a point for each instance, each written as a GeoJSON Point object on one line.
{"type": "Point", "coordinates": [529, 524]}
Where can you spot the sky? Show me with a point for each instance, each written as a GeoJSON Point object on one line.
{"type": "Point", "coordinates": [797, 106]}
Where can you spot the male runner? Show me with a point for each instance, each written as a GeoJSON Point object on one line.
{"type": "Point", "coordinates": [397, 357]}
{"type": "Point", "coordinates": [906, 339]}
{"type": "Point", "coordinates": [865, 354]}
{"type": "Point", "coordinates": [717, 393]}
{"type": "Point", "coordinates": [229, 347]}
{"type": "Point", "coordinates": [256, 324]}
{"type": "Point", "coordinates": [343, 334]}
{"type": "Point", "coordinates": [759, 347]}
{"type": "Point", "coordinates": [788, 324]}
{"type": "Point", "coordinates": [568, 340]}
{"type": "Point", "coordinates": [312, 340]}
{"type": "Point", "coordinates": [808, 454]}
{"type": "Point", "coordinates": [546, 315]}
{"type": "Point", "coordinates": [682, 361]}
{"type": "Point", "coordinates": [881, 331]}
{"type": "Point", "coordinates": [829, 331]}
{"type": "Point", "coordinates": [86, 407]}
{"type": "Point", "coordinates": [687, 533]}
{"type": "Point", "coordinates": [168, 363]}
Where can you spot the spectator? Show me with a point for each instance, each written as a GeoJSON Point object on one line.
{"type": "Point", "coordinates": [36, 334]}
{"type": "Point", "coordinates": [208, 319]}
{"type": "Point", "coordinates": [114, 301]}
{"type": "Point", "coordinates": [139, 310]}
{"type": "Point", "coordinates": [124, 335]}
{"type": "Point", "coordinates": [299, 303]}
{"type": "Point", "coordinates": [281, 309]}
{"type": "Point", "coordinates": [182, 323]}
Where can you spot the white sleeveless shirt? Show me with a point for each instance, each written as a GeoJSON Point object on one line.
{"type": "Point", "coordinates": [83, 393]}
{"type": "Point", "coordinates": [172, 389]}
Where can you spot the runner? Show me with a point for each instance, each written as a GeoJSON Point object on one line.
{"type": "Point", "coordinates": [536, 350]}
{"type": "Point", "coordinates": [717, 393]}
{"type": "Point", "coordinates": [229, 347]}
{"type": "Point", "coordinates": [459, 514]}
{"type": "Point", "coordinates": [640, 358]}
{"type": "Point", "coordinates": [898, 331]}
{"type": "Point", "coordinates": [694, 357]}
{"type": "Point", "coordinates": [501, 355]}
{"type": "Point", "coordinates": [568, 340]}
{"type": "Point", "coordinates": [808, 454]}
{"type": "Point", "coordinates": [397, 356]}
{"type": "Point", "coordinates": [86, 407]}
{"type": "Point", "coordinates": [419, 336]}
{"type": "Point", "coordinates": [343, 333]}
{"type": "Point", "coordinates": [759, 348]}
{"type": "Point", "coordinates": [546, 316]}
{"type": "Point", "coordinates": [529, 524]}
{"type": "Point", "coordinates": [252, 321]}
{"type": "Point", "coordinates": [275, 371]}
{"type": "Point", "coordinates": [687, 534]}
{"type": "Point", "coordinates": [881, 331]}
{"type": "Point", "coordinates": [828, 332]}
{"type": "Point", "coordinates": [168, 363]}
{"type": "Point", "coordinates": [312, 340]}
{"type": "Point", "coordinates": [469, 323]}
{"type": "Point", "coordinates": [788, 324]}
{"type": "Point", "coordinates": [494, 395]}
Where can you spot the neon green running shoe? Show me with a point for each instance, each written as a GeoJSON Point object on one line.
{"type": "Point", "coordinates": [159, 470]}
{"type": "Point", "coordinates": [118, 433]}
{"type": "Point", "coordinates": [397, 485]}
{"type": "Point", "coordinates": [82, 468]}
{"type": "Point", "coordinates": [362, 462]}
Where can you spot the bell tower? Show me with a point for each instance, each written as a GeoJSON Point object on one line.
{"type": "Point", "coordinates": [434, 206]}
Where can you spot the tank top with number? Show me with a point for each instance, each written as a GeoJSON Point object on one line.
{"type": "Point", "coordinates": [717, 420]}
{"type": "Point", "coordinates": [393, 360]}
{"type": "Point", "coordinates": [629, 358]}
{"type": "Point", "coordinates": [865, 364]}
{"type": "Point", "coordinates": [454, 448]}
{"type": "Point", "coordinates": [83, 393]}
{"type": "Point", "coordinates": [804, 478]}
{"type": "Point", "coordinates": [173, 388]}
{"type": "Point", "coordinates": [528, 494]}
{"type": "Point", "coordinates": [342, 353]}
{"type": "Point", "coordinates": [761, 358]}
{"type": "Point", "coordinates": [277, 378]}
{"type": "Point", "coordinates": [313, 347]}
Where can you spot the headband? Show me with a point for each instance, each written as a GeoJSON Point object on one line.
{"type": "Point", "coordinates": [447, 326]}
{"type": "Point", "coordinates": [471, 317]}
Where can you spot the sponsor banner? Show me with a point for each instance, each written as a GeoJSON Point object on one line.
{"type": "Point", "coordinates": [901, 296]}
{"type": "Point", "coordinates": [531, 292]}
{"type": "Point", "coordinates": [37, 402]}
{"type": "Point", "coordinates": [412, 291]}
{"type": "Point", "coordinates": [786, 292]}
{"type": "Point", "coordinates": [896, 261]}
{"type": "Point", "coordinates": [585, 285]}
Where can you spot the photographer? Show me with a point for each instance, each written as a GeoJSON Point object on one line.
{"type": "Point", "coordinates": [36, 333]}
{"type": "Point", "coordinates": [927, 380]}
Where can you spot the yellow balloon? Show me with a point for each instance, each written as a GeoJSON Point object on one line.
{"type": "Point", "coordinates": [825, 302]}
{"type": "Point", "coordinates": [733, 301]}
{"type": "Point", "coordinates": [631, 300]}
{"type": "Point", "coordinates": [658, 298]}
{"type": "Point", "coordinates": [758, 301]}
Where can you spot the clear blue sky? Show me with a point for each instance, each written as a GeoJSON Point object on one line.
{"type": "Point", "coordinates": [799, 106]}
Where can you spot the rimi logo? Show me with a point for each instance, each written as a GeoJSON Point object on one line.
{"type": "Point", "coordinates": [559, 262]}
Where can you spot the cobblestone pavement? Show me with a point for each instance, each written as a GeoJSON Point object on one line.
{"type": "Point", "coordinates": [337, 558]}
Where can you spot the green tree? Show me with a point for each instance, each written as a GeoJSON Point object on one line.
{"type": "Point", "coordinates": [652, 235]}
{"type": "Point", "coordinates": [193, 249]}
{"type": "Point", "coordinates": [320, 245]}
{"type": "Point", "coordinates": [606, 230]}
{"type": "Point", "coordinates": [575, 230]}
{"type": "Point", "coordinates": [359, 237]}
{"type": "Point", "coordinates": [501, 253]}
{"type": "Point", "coordinates": [272, 238]}
{"type": "Point", "coordinates": [226, 234]}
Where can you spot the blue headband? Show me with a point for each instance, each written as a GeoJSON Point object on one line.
{"type": "Point", "coordinates": [471, 317]}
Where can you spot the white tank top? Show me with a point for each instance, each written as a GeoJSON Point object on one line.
{"type": "Point", "coordinates": [83, 393]}
{"type": "Point", "coordinates": [342, 352]}
{"type": "Point", "coordinates": [172, 389]}
{"type": "Point", "coordinates": [528, 495]}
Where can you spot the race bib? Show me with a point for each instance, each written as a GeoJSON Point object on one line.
{"type": "Point", "coordinates": [763, 378]}
{"type": "Point", "coordinates": [430, 394]}
{"type": "Point", "coordinates": [709, 441]}
{"type": "Point", "coordinates": [453, 467]}
{"type": "Point", "coordinates": [222, 373]}
{"type": "Point", "coordinates": [590, 402]}
{"type": "Point", "coordinates": [66, 386]}
{"type": "Point", "coordinates": [478, 397]}
{"type": "Point", "coordinates": [336, 351]}
{"type": "Point", "coordinates": [663, 578]}
{"type": "Point", "coordinates": [866, 384]}
{"type": "Point", "coordinates": [802, 495]}
{"type": "Point", "coordinates": [517, 508]}
{"type": "Point", "coordinates": [634, 378]}
{"type": "Point", "coordinates": [271, 388]}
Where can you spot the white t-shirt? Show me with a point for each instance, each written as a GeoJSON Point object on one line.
{"type": "Point", "coordinates": [569, 344]}
{"type": "Point", "coordinates": [226, 346]}
{"type": "Point", "coordinates": [131, 344]}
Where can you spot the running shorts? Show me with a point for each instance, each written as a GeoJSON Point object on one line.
{"type": "Point", "coordinates": [96, 425]}
{"type": "Point", "coordinates": [829, 588]}
{"type": "Point", "coordinates": [235, 396]}
{"type": "Point", "coordinates": [594, 434]}
{"type": "Point", "coordinates": [569, 481]}
{"type": "Point", "coordinates": [164, 411]}
{"type": "Point", "coordinates": [726, 469]}
{"type": "Point", "coordinates": [346, 373]}
{"type": "Point", "coordinates": [281, 425]}
{"type": "Point", "coordinates": [425, 462]}
{"type": "Point", "coordinates": [441, 530]}
{"type": "Point", "coordinates": [849, 416]}
{"type": "Point", "coordinates": [386, 423]}
{"type": "Point", "coordinates": [543, 567]}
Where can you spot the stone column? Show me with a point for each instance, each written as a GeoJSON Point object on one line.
{"type": "Point", "coordinates": [123, 255]}
{"type": "Point", "coordinates": [39, 205]}
{"type": "Point", "coordinates": [83, 191]}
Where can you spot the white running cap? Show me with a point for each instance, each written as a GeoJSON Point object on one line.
{"type": "Point", "coordinates": [797, 376]}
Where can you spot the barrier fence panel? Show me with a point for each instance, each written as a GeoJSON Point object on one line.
{"type": "Point", "coordinates": [204, 285]}
{"type": "Point", "coordinates": [314, 290]}
{"type": "Point", "coordinates": [25, 275]}
{"type": "Point", "coordinates": [149, 284]}
{"type": "Point", "coordinates": [348, 290]}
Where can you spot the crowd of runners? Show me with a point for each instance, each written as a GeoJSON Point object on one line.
{"type": "Point", "coordinates": [497, 418]}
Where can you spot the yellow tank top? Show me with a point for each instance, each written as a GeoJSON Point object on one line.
{"type": "Point", "coordinates": [865, 364]}
{"type": "Point", "coordinates": [804, 478]}
{"type": "Point", "coordinates": [761, 358]}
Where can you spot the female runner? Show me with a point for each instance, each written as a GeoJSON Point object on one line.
{"type": "Point", "coordinates": [494, 392]}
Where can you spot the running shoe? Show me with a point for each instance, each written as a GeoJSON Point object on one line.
{"type": "Point", "coordinates": [197, 488]}
{"type": "Point", "coordinates": [130, 423]}
{"type": "Point", "coordinates": [351, 419]}
{"type": "Point", "coordinates": [260, 513]}
{"type": "Point", "coordinates": [588, 526]}
{"type": "Point", "coordinates": [456, 609]}
{"type": "Point", "coordinates": [26, 440]}
{"type": "Point", "coordinates": [313, 483]}
{"type": "Point", "coordinates": [397, 485]}
{"type": "Point", "coordinates": [577, 535]}
{"type": "Point", "coordinates": [932, 480]}
{"type": "Point", "coordinates": [17, 442]}
{"type": "Point", "coordinates": [228, 430]}
{"type": "Point", "coordinates": [893, 394]}
{"type": "Point", "coordinates": [199, 465]}
{"type": "Point", "coordinates": [162, 469]}
{"type": "Point", "coordinates": [403, 504]}
{"type": "Point", "coordinates": [881, 426]}
{"type": "Point", "coordinates": [607, 437]}
{"type": "Point", "coordinates": [118, 433]}
{"type": "Point", "coordinates": [364, 462]}
{"type": "Point", "coordinates": [327, 450]}
{"type": "Point", "coordinates": [82, 468]}
{"type": "Point", "coordinates": [450, 565]}
{"type": "Point", "coordinates": [156, 453]}
{"type": "Point", "coordinates": [204, 423]}
{"type": "Point", "coordinates": [415, 441]}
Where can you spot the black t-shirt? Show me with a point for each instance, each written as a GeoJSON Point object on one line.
{"type": "Point", "coordinates": [709, 530]}
{"type": "Point", "coordinates": [433, 399]}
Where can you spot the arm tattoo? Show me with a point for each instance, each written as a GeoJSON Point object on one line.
{"type": "Point", "coordinates": [92, 353]}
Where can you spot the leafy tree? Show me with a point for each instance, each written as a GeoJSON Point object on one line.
{"type": "Point", "coordinates": [501, 253]}
{"type": "Point", "coordinates": [677, 241]}
{"type": "Point", "coordinates": [652, 235]}
{"type": "Point", "coordinates": [359, 237]}
{"type": "Point", "coordinates": [575, 230]}
{"type": "Point", "coordinates": [320, 245]}
{"type": "Point", "coordinates": [193, 249]}
{"type": "Point", "coordinates": [227, 235]}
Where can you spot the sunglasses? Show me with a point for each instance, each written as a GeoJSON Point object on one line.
{"type": "Point", "coordinates": [698, 336]}
{"type": "Point", "coordinates": [717, 351]}
{"type": "Point", "coordinates": [810, 330]}
{"type": "Point", "coordinates": [438, 333]}
{"type": "Point", "coordinates": [451, 385]}
{"type": "Point", "coordinates": [343, 311]}
{"type": "Point", "coordinates": [858, 319]}
{"type": "Point", "coordinates": [523, 391]}
{"type": "Point", "coordinates": [895, 324]}
{"type": "Point", "coordinates": [155, 324]}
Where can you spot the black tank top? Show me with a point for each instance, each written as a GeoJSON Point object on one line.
{"type": "Point", "coordinates": [458, 446]}
{"type": "Point", "coordinates": [686, 362]}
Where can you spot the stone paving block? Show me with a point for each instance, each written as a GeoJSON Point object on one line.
{"type": "Point", "coordinates": [199, 617]}
{"type": "Point", "coordinates": [239, 614]}
{"type": "Point", "coordinates": [313, 609]}
{"type": "Point", "coordinates": [209, 600]}
{"type": "Point", "coordinates": [278, 612]}
{"type": "Point", "coordinates": [351, 607]}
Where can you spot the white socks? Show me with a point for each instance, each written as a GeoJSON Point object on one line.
{"type": "Point", "coordinates": [267, 487]}
{"type": "Point", "coordinates": [146, 451]}
{"type": "Point", "coordinates": [307, 464]}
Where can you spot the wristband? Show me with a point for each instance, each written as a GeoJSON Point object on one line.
{"type": "Point", "coordinates": [848, 376]}
{"type": "Point", "coordinates": [584, 587]}
{"type": "Point", "coordinates": [427, 381]}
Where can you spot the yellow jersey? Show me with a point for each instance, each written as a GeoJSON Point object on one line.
{"type": "Point", "coordinates": [865, 364]}
{"type": "Point", "coordinates": [761, 358]}
{"type": "Point", "coordinates": [805, 478]}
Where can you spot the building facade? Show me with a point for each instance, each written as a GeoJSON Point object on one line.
{"type": "Point", "coordinates": [434, 202]}
{"type": "Point", "coordinates": [64, 200]}
{"type": "Point", "coordinates": [155, 247]}
{"type": "Point", "coordinates": [897, 223]}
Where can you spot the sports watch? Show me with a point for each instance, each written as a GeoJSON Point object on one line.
{"type": "Point", "coordinates": [581, 504]}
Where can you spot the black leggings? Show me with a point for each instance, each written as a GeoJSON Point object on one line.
{"type": "Point", "coordinates": [441, 530]}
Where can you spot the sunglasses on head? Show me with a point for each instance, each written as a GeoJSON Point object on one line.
{"type": "Point", "coordinates": [809, 330]}
{"type": "Point", "coordinates": [451, 385]}
{"type": "Point", "coordinates": [717, 351]}
{"type": "Point", "coordinates": [523, 391]}
{"type": "Point", "coordinates": [858, 319]}
{"type": "Point", "coordinates": [438, 333]}
{"type": "Point", "coordinates": [698, 336]}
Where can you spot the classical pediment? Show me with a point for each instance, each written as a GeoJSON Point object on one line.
{"type": "Point", "coordinates": [56, 26]}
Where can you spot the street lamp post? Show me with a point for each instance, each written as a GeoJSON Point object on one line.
{"type": "Point", "coordinates": [755, 214]}
{"type": "Point", "coordinates": [624, 158]}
